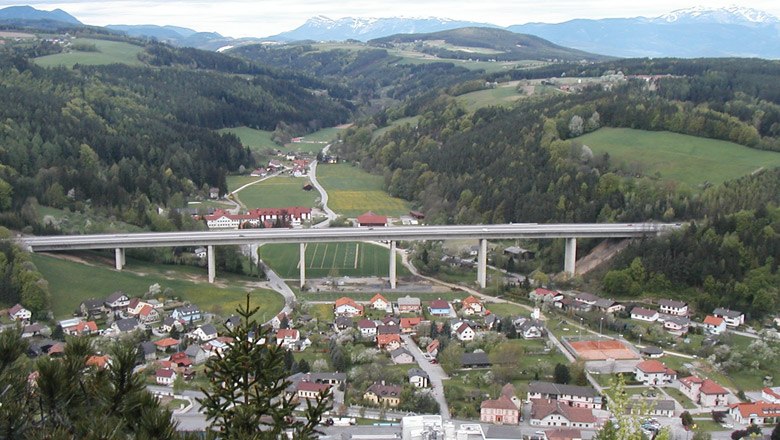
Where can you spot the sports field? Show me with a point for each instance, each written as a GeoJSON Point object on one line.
{"type": "Point", "coordinates": [108, 52]}
{"type": "Point", "coordinates": [355, 259]}
{"type": "Point", "coordinates": [352, 191]}
{"type": "Point", "coordinates": [276, 192]}
{"type": "Point", "coordinates": [677, 157]}
{"type": "Point", "coordinates": [602, 350]}
{"type": "Point", "coordinates": [71, 282]}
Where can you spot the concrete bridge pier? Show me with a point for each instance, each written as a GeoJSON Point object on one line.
{"type": "Point", "coordinates": [212, 264]}
{"type": "Point", "coordinates": [119, 258]}
{"type": "Point", "coordinates": [482, 264]}
{"type": "Point", "coordinates": [392, 265]}
{"type": "Point", "coordinates": [570, 257]}
{"type": "Point", "coordinates": [303, 264]}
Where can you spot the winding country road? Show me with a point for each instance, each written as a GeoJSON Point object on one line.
{"type": "Point", "coordinates": [323, 194]}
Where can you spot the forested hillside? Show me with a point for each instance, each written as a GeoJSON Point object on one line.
{"type": "Point", "coordinates": [121, 138]}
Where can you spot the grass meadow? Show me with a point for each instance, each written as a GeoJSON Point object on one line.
{"type": "Point", "coordinates": [72, 282]}
{"type": "Point", "coordinates": [503, 95]}
{"type": "Point", "coordinates": [330, 259]}
{"type": "Point", "coordinates": [411, 120]}
{"type": "Point", "coordinates": [108, 52]}
{"type": "Point", "coordinates": [676, 157]}
{"type": "Point", "coordinates": [276, 192]}
{"type": "Point", "coordinates": [256, 140]}
{"type": "Point", "coordinates": [352, 191]}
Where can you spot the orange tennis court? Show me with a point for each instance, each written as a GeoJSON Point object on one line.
{"type": "Point", "coordinates": [602, 350]}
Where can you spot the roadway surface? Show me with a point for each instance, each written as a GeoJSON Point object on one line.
{"type": "Point", "coordinates": [249, 236]}
{"type": "Point", "coordinates": [323, 194]}
{"type": "Point", "coordinates": [435, 375]}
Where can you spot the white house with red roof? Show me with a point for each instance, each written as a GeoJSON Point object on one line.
{"type": "Point", "coordinates": [165, 376]}
{"type": "Point", "coordinates": [472, 306]}
{"type": "Point", "coordinates": [409, 325]}
{"type": "Point", "coordinates": [370, 219]}
{"type": "Point", "coordinates": [545, 295]}
{"type": "Point", "coordinates": [367, 328]}
{"type": "Point", "coordinates": [733, 318]}
{"type": "Point", "coordinates": [439, 307]}
{"type": "Point", "coordinates": [287, 337]}
{"type": "Point", "coordinates": [388, 342]}
{"type": "Point", "coordinates": [19, 313]}
{"type": "Point", "coordinates": [643, 314]}
{"type": "Point", "coordinates": [714, 325]}
{"type": "Point", "coordinates": [705, 392]}
{"type": "Point", "coordinates": [310, 390]}
{"type": "Point", "coordinates": [464, 332]}
{"type": "Point", "coordinates": [545, 412]}
{"type": "Point", "coordinates": [379, 302]}
{"type": "Point", "coordinates": [290, 216]}
{"type": "Point", "coordinates": [653, 372]}
{"type": "Point", "coordinates": [148, 314]}
{"type": "Point", "coordinates": [81, 328]}
{"type": "Point", "coordinates": [501, 411]}
{"type": "Point", "coordinates": [771, 394]}
{"type": "Point", "coordinates": [754, 413]}
{"type": "Point", "coordinates": [345, 306]}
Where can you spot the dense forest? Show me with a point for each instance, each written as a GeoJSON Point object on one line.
{"type": "Point", "coordinates": [122, 138]}
{"type": "Point", "coordinates": [20, 281]}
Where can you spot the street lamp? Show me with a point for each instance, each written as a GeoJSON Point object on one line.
{"type": "Point", "coordinates": [601, 324]}
{"type": "Point", "coordinates": [580, 329]}
{"type": "Point", "coordinates": [640, 339]}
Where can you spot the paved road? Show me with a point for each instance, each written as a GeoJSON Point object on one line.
{"type": "Point", "coordinates": [275, 282]}
{"type": "Point", "coordinates": [279, 235]}
{"type": "Point", "coordinates": [435, 375]}
{"type": "Point", "coordinates": [323, 194]}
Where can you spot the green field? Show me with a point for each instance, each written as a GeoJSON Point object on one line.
{"type": "Point", "coordinates": [390, 295]}
{"type": "Point", "coordinates": [256, 140]}
{"type": "Point", "coordinates": [411, 120]}
{"type": "Point", "coordinates": [276, 192]}
{"type": "Point", "coordinates": [352, 191]}
{"type": "Point", "coordinates": [108, 52]}
{"type": "Point", "coordinates": [330, 259]}
{"type": "Point", "coordinates": [503, 95]}
{"type": "Point", "coordinates": [72, 282]}
{"type": "Point", "coordinates": [675, 157]}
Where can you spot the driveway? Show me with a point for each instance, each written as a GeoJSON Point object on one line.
{"type": "Point", "coordinates": [435, 375]}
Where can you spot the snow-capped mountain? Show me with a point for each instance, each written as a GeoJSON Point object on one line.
{"type": "Point", "coordinates": [363, 29]}
{"type": "Point", "coordinates": [730, 15]}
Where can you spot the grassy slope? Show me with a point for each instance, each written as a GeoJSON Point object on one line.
{"type": "Point", "coordinates": [676, 157]}
{"type": "Point", "coordinates": [503, 95]}
{"type": "Point", "coordinates": [276, 192]}
{"type": "Point", "coordinates": [352, 191]}
{"type": "Point", "coordinates": [261, 140]}
{"type": "Point", "coordinates": [71, 282]}
{"type": "Point", "coordinates": [256, 140]}
{"type": "Point", "coordinates": [325, 259]}
{"type": "Point", "coordinates": [109, 52]}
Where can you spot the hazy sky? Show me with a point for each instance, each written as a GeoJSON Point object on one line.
{"type": "Point", "coordinates": [260, 18]}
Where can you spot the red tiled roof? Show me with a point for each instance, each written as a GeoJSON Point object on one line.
{"type": "Point", "coordinates": [371, 218]}
{"type": "Point", "coordinates": [471, 300]}
{"type": "Point", "coordinates": [386, 339]}
{"type": "Point", "coordinates": [434, 345]}
{"type": "Point", "coordinates": [165, 372]}
{"type": "Point", "coordinates": [377, 297]}
{"type": "Point", "coordinates": [502, 402]}
{"type": "Point", "coordinates": [713, 320]}
{"type": "Point", "coordinates": [545, 292]}
{"type": "Point", "coordinates": [712, 387]}
{"type": "Point", "coordinates": [410, 322]}
{"type": "Point", "coordinates": [287, 333]}
{"type": "Point", "coordinates": [654, 366]}
{"type": "Point", "coordinates": [761, 409]}
{"type": "Point", "coordinates": [462, 328]}
{"type": "Point", "coordinates": [366, 323]}
{"type": "Point", "coordinates": [346, 301]}
{"type": "Point", "coordinates": [440, 304]}
{"type": "Point", "coordinates": [541, 408]}
{"type": "Point", "coordinates": [167, 342]}
{"type": "Point", "coordinates": [643, 311]}
{"type": "Point", "coordinates": [312, 386]}
{"type": "Point", "coordinates": [15, 309]}
{"type": "Point", "coordinates": [98, 361]}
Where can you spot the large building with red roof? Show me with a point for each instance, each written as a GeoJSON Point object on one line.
{"type": "Point", "coordinates": [501, 411]}
{"type": "Point", "coordinates": [653, 372]}
{"type": "Point", "coordinates": [261, 217]}
{"type": "Point", "coordinates": [755, 413]}
{"type": "Point", "coordinates": [370, 219]}
{"type": "Point", "coordinates": [705, 392]}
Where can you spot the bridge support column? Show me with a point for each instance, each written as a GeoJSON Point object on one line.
{"type": "Point", "coordinates": [303, 264]}
{"type": "Point", "coordinates": [570, 257]}
{"type": "Point", "coordinates": [392, 264]}
{"type": "Point", "coordinates": [119, 258]}
{"type": "Point", "coordinates": [212, 264]}
{"type": "Point", "coordinates": [482, 264]}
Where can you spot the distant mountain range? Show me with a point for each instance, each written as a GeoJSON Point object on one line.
{"type": "Point", "coordinates": [693, 32]}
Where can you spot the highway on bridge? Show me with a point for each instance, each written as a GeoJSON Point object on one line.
{"type": "Point", "coordinates": [482, 233]}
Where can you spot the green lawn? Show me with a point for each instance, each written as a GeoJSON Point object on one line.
{"type": "Point", "coordinates": [276, 192]}
{"type": "Point", "coordinates": [391, 296]}
{"type": "Point", "coordinates": [108, 52]}
{"type": "Point", "coordinates": [680, 397]}
{"type": "Point", "coordinates": [256, 140]}
{"type": "Point", "coordinates": [411, 120]}
{"type": "Point", "coordinates": [330, 259]}
{"type": "Point", "coordinates": [352, 191]}
{"type": "Point", "coordinates": [675, 157]}
{"type": "Point", "coordinates": [505, 309]}
{"type": "Point", "coordinates": [503, 95]}
{"type": "Point", "coordinates": [72, 282]}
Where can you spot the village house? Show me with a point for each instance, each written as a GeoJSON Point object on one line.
{"type": "Point", "coordinates": [148, 314]}
{"type": "Point", "coordinates": [166, 344]}
{"type": "Point", "coordinates": [771, 394]}
{"type": "Point", "coordinates": [196, 354]}
{"type": "Point", "coordinates": [342, 323]}
{"type": "Point", "coordinates": [260, 217]}
{"type": "Point", "coordinates": [28, 331]}
{"type": "Point", "coordinates": [310, 390]}
{"type": "Point", "coordinates": [464, 332]}
{"type": "Point", "coordinates": [432, 349]}
{"type": "Point", "coordinates": [418, 378]}
{"type": "Point", "coordinates": [125, 325]}
{"type": "Point", "coordinates": [401, 356]}
{"type": "Point", "coordinates": [81, 328]}
{"type": "Point", "coordinates": [19, 313]}
{"type": "Point", "coordinates": [384, 395]}
{"type": "Point", "coordinates": [409, 325]}
{"type": "Point", "coordinates": [756, 413]}
{"type": "Point", "coordinates": [677, 325]}
{"type": "Point", "coordinates": [572, 395]}
{"type": "Point", "coordinates": [369, 219]}
{"type": "Point", "coordinates": [545, 412]}
{"type": "Point", "coordinates": [205, 333]}
{"type": "Point", "coordinates": [367, 328]}
{"type": "Point", "coordinates": [672, 307]}
{"type": "Point", "coordinates": [117, 301]}
{"type": "Point", "coordinates": [439, 307]}
{"type": "Point", "coordinates": [379, 302]}
{"type": "Point", "coordinates": [653, 372]}
{"type": "Point", "coordinates": [714, 325]}
{"type": "Point", "coordinates": [188, 314]}
{"type": "Point", "coordinates": [148, 350]}
{"type": "Point", "coordinates": [654, 407]}
{"type": "Point", "coordinates": [345, 306]}
{"type": "Point", "coordinates": [732, 318]}
{"type": "Point", "coordinates": [165, 377]}
{"type": "Point", "coordinates": [92, 308]}
{"type": "Point", "coordinates": [529, 328]}
{"type": "Point", "coordinates": [475, 360]}
{"type": "Point", "coordinates": [388, 342]}
{"type": "Point", "coordinates": [643, 314]}
{"type": "Point", "coordinates": [100, 362]}
{"type": "Point", "coordinates": [587, 298]}
{"type": "Point", "coordinates": [169, 324]}
{"type": "Point", "coordinates": [472, 306]}
{"type": "Point", "coordinates": [287, 337]}
{"type": "Point", "coordinates": [545, 295]}
{"type": "Point", "coordinates": [518, 253]}
{"type": "Point", "coordinates": [278, 320]}
{"type": "Point", "coordinates": [391, 320]}
{"type": "Point", "coordinates": [651, 352]}
{"type": "Point", "coordinates": [563, 434]}
{"type": "Point", "coordinates": [705, 392]}
{"type": "Point", "coordinates": [407, 304]}
{"type": "Point", "coordinates": [501, 411]}
{"type": "Point", "coordinates": [609, 306]}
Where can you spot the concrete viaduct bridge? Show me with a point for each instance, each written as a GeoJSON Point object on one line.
{"type": "Point", "coordinates": [481, 233]}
